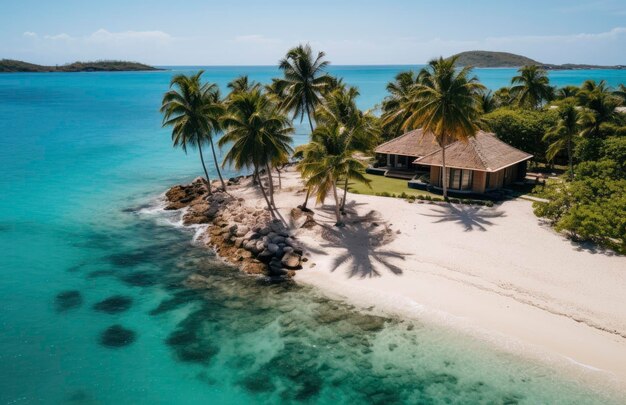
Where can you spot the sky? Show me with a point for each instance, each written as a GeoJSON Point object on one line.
{"type": "Point", "coordinates": [237, 32]}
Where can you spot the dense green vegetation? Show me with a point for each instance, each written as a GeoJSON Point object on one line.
{"type": "Point", "coordinates": [11, 66]}
{"type": "Point", "coordinates": [589, 202]}
{"type": "Point", "coordinates": [493, 59]}
{"type": "Point", "coordinates": [444, 101]}
{"type": "Point", "coordinates": [579, 127]}
{"type": "Point", "coordinates": [489, 59]}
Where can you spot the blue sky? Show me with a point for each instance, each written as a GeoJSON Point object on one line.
{"type": "Point", "coordinates": [234, 32]}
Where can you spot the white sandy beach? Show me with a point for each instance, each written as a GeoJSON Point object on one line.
{"type": "Point", "coordinates": [496, 273]}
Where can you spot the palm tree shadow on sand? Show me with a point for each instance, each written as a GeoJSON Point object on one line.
{"type": "Point", "coordinates": [361, 240]}
{"type": "Point", "coordinates": [469, 217]}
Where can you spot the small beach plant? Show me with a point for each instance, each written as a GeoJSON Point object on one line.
{"type": "Point", "coordinates": [192, 109]}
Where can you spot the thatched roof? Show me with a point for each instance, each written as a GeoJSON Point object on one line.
{"type": "Point", "coordinates": [483, 152]}
{"type": "Point", "coordinates": [416, 143]}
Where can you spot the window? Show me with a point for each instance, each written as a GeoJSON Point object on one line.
{"type": "Point", "coordinates": [460, 179]}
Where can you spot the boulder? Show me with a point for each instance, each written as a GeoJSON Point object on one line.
{"type": "Point", "coordinates": [200, 208]}
{"type": "Point", "coordinates": [291, 261]}
{"type": "Point", "coordinates": [276, 226]}
{"type": "Point", "coordinates": [238, 242]}
{"type": "Point", "coordinates": [265, 256]}
{"type": "Point", "coordinates": [192, 218]}
{"type": "Point", "coordinates": [176, 193]}
{"type": "Point", "coordinates": [176, 205]}
{"type": "Point", "coordinates": [272, 247]}
{"type": "Point", "coordinates": [252, 235]}
{"type": "Point", "coordinates": [278, 239]}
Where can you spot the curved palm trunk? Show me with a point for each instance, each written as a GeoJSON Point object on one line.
{"type": "Point", "coordinates": [308, 190]}
{"type": "Point", "coordinates": [306, 199]}
{"type": "Point", "coordinates": [337, 213]}
{"type": "Point", "coordinates": [206, 173]}
{"type": "Point", "coordinates": [569, 158]}
{"type": "Point", "coordinates": [308, 114]}
{"type": "Point", "coordinates": [217, 167]}
{"type": "Point", "coordinates": [444, 175]}
{"type": "Point", "coordinates": [271, 183]}
{"type": "Point", "coordinates": [267, 201]}
{"type": "Point", "coordinates": [345, 195]}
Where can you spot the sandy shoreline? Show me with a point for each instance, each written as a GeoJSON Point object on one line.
{"type": "Point", "coordinates": [496, 273]}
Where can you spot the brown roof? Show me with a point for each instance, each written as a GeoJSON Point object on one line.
{"type": "Point", "coordinates": [416, 143]}
{"type": "Point", "coordinates": [482, 152]}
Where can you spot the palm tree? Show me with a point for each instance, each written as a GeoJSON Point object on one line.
{"type": "Point", "coordinates": [259, 135]}
{"type": "Point", "coordinates": [191, 109]}
{"type": "Point", "coordinates": [567, 92]}
{"type": "Point", "coordinates": [214, 116]}
{"type": "Point", "coordinates": [304, 81]}
{"type": "Point", "coordinates": [591, 86]}
{"type": "Point", "coordinates": [531, 87]}
{"type": "Point", "coordinates": [502, 96]}
{"type": "Point", "coordinates": [359, 131]}
{"type": "Point", "coordinates": [487, 102]}
{"type": "Point", "coordinates": [325, 160]}
{"type": "Point", "coordinates": [303, 84]}
{"type": "Point", "coordinates": [446, 103]}
{"type": "Point", "coordinates": [600, 103]}
{"type": "Point", "coordinates": [621, 93]}
{"type": "Point", "coordinates": [564, 132]}
{"type": "Point", "coordinates": [399, 91]}
{"type": "Point", "coordinates": [241, 84]}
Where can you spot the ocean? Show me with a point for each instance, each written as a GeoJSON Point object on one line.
{"type": "Point", "coordinates": [93, 308]}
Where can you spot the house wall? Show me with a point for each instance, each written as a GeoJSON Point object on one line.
{"type": "Point", "coordinates": [496, 179]}
{"type": "Point", "coordinates": [434, 176]}
{"type": "Point", "coordinates": [479, 181]}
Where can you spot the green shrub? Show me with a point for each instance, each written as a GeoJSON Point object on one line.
{"type": "Point", "coordinates": [592, 207]}
{"type": "Point", "coordinates": [523, 129]}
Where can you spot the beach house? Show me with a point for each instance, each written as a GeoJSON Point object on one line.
{"type": "Point", "coordinates": [481, 164]}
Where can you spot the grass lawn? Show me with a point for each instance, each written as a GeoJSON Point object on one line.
{"type": "Point", "coordinates": [382, 184]}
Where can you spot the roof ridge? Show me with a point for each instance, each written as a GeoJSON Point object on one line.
{"type": "Point", "coordinates": [482, 157]}
{"type": "Point", "coordinates": [396, 138]}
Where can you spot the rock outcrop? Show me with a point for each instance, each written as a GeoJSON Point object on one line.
{"type": "Point", "coordinates": [242, 235]}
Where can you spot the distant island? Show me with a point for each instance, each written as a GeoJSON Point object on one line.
{"type": "Point", "coordinates": [13, 66]}
{"type": "Point", "coordinates": [488, 59]}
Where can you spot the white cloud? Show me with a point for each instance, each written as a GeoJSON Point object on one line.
{"type": "Point", "coordinates": [104, 36]}
{"type": "Point", "coordinates": [159, 47]}
{"type": "Point", "coordinates": [58, 37]}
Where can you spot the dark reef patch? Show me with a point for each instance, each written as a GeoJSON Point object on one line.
{"type": "Point", "coordinates": [114, 304]}
{"type": "Point", "coordinates": [190, 348]}
{"type": "Point", "coordinates": [67, 300]}
{"type": "Point", "coordinates": [117, 336]}
{"type": "Point", "coordinates": [179, 299]}
{"type": "Point", "coordinates": [258, 382]}
{"type": "Point", "coordinates": [140, 279]}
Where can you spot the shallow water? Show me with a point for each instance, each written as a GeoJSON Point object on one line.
{"type": "Point", "coordinates": [93, 307]}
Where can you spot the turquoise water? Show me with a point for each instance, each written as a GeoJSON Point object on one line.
{"type": "Point", "coordinates": [82, 159]}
